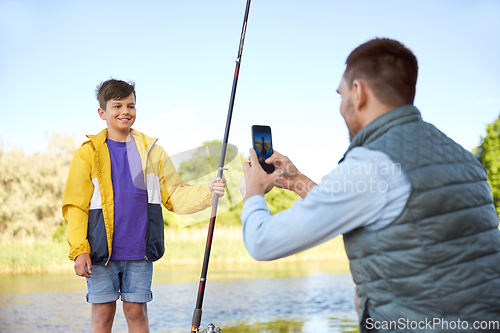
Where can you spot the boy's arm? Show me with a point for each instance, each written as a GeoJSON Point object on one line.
{"type": "Point", "coordinates": [178, 196]}
{"type": "Point", "coordinates": [75, 209]}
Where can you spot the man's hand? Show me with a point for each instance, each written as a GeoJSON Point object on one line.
{"type": "Point", "coordinates": [288, 172]}
{"type": "Point", "coordinates": [217, 185]}
{"type": "Point", "coordinates": [83, 265]}
{"type": "Point", "coordinates": [257, 181]}
{"type": "Point", "coordinates": [289, 177]}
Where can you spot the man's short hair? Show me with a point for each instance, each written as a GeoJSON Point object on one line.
{"type": "Point", "coordinates": [113, 89]}
{"type": "Point", "coordinates": [388, 67]}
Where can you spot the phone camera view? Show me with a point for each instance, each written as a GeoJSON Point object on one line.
{"type": "Point", "coordinates": [262, 143]}
{"type": "Point", "coordinates": [263, 146]}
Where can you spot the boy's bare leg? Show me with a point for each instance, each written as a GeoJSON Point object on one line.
{"type": "Point", "coordinates": [102, 316]}
{"type": "Point", "coordinates": [137, 317]}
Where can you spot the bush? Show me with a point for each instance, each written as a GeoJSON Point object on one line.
{"type": "Point", "coordinates": [488, 153]}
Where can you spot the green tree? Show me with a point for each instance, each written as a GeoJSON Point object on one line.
{"type": "Point", "coordinates": [488, 153]}
{"type": "Point", "coordinates": [198, 166]}
{"type": "Point", "coordinates": [32, 188]}
{"type": "Point", "coordinates": [205, 160]}
{"type": "Point", "coordinates": [279, 199]}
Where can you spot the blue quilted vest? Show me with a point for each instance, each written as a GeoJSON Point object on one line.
{"type": "Point", "coordinates": [440, 259]}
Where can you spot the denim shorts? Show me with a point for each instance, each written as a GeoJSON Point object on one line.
{"type": "Point", "coordinates": [130, 279]}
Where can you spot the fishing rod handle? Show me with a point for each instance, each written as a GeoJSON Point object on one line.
{"type": "Point", "coordinates": [195, 324]}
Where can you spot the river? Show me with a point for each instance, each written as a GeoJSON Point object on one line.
{"type": "Point", "coordinates": [271, 298]}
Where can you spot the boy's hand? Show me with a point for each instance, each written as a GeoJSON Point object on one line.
{"type": "Point", "coordinates": [217, 185]}
{"type": "Point", "coordinates": [83, 265]}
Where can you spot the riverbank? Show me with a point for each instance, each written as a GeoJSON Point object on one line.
{"type": "Point", "coordinates": [185, 246]}
{"type": "Point", "coordinates": [266, 297]}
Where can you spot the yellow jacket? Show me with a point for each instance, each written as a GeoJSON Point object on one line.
{"type": "Point", "coordinates": [88, 205]}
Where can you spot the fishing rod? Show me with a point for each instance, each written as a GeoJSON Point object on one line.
{"type": "Point", "coordinates": [195, 325]}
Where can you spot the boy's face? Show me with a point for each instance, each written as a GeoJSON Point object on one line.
{"type": "Point", "coordinates": [119, 114]}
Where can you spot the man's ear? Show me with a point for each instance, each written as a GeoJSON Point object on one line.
{"type": "Point", "coordinates": [359, 94]}
{"type": "Point", "coordinates": [102, 113]}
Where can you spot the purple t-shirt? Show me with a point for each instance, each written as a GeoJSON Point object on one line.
{"type": "Point", "coordinates": [131, 201]}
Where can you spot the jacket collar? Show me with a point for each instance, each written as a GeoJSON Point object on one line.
{"type": "Point", "coordinates": [398, 116]}
{"type": "Point", "coordinates": [100, 139]}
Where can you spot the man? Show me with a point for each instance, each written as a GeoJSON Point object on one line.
{"type": "Point", "coordinates": [416, 211]}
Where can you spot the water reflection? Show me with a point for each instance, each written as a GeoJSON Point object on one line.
{"type": "Point", "coordinates": [322, 302]}
{"type": "Point", "coordinates": [312, 325]}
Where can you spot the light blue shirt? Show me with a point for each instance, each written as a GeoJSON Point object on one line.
{"type": "Point", "coordinates": [366, 190]}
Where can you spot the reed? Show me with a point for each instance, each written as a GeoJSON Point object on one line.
{"type": "Point", "coordinates": [183, 246]}
{"type": "Point", "coordinates": [30, 257]}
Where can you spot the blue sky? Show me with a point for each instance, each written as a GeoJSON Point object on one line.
{"type": "Point", "coordinates": [181, 55]}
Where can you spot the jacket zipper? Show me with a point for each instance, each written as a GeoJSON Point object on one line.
{"type": "Point", "coordinates": [147, 199]}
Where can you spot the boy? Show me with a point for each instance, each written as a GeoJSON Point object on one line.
{"type": "Point", "coordinates": [112, 204]}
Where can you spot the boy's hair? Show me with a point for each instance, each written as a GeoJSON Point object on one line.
{"type": "Point", "coordinates": [113, 89]}
{"type": "Point", "coordinates": [389, 68]}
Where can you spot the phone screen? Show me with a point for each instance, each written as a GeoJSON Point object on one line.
{"type": "Point", "coordinates": [263, 145]}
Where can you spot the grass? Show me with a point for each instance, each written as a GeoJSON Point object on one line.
{"type": "Point", "coordinates": [185, 246]}
{"type": "Point", "coordinates": [33, 257]}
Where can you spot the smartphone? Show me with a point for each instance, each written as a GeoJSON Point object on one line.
{"type": "Point", "coordinates": [263, 145]}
